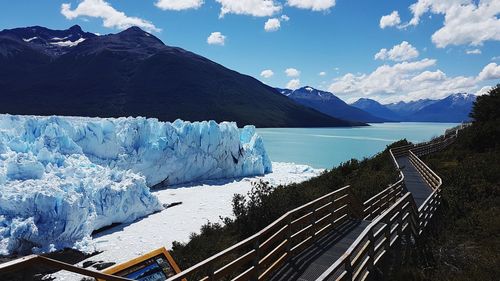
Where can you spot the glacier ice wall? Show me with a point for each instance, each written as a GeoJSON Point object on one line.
{"type": "Point", "coordinates": [63, 177]}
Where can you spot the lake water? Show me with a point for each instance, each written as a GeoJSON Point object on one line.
{"type": "Point", "coordinates": [328, 147]}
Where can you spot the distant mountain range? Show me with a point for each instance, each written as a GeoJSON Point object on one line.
{"type": "Point", "coordinates": [376, 109]}
{"type": "Point", "coordinates": [132, 73]}
{"type": "Point", "coordinates": [454, 108]}
{"type": "Point", "coordinates": [329, 104]}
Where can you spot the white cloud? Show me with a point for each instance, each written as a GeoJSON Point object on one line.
{"type": "Point", "coordinates": [256, 8]}
{"type": "Point", "coordinates": [293, 84]}
{"type": "Point", "coordinates": [402, 52]}
{"type": "Point", "coordinates": [285, 18]}
{"type": "Point", "coordinates": [437, 75]}
{"type": "Point", "coordinates": [322, 73]}
{"type": "Point", "coordinates": [216, 38]}
{"type": "Point", "coordinates": [473, 52]}
{"type": "Point", "coordinates": [268, 73]}
{"type": "Point", "coordinates": [465, 22]}
{"type": "Point", "coordinates": [178, 5]}
{"type": "Point", "coordinates": [489, 72]}
{"type": "Point", "coordinates": [272, 25]}
{"type": "Point", "coordinates": [495, 58]}
{"type": "Point", "coordinates": [483, 91]}
{"type": "Point", "coordinates": [407, 81]}
{"type": "Point", "coordinates": [390, 20]}
{"type": "Point", "coordinates": [110, 16]}
{"type": "Point", "coordinates": [315, 5]}
{"type": "Point", "coordinates": [292, 72]}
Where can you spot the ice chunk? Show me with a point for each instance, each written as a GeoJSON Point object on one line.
{"type": "Point", "coordinates": [63, 177]}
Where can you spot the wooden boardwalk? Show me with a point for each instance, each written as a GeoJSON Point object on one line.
{"type": "Point", "coordinates": [414, 182]}
{"type": "Point", "coordinates": [313, 261]}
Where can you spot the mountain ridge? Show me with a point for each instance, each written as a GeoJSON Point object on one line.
{"type": "Point", "coordinates": [328, 103]}
{"type": "Point", "coordinates": [132, 73]}
{"type": "Point", "coordinates": [452, 108]}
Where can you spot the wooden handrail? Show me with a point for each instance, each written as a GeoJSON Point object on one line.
{"type": "Point", "coordinates": [25, 262]}
{"type": "Point", "coordinates": [366, 251]}
{"type": "Point", "coordinates": [299, 222]}
{"type": "Point", "coordinates": [381, 201]}
{"type": "Point", "coordinates": [354, 262]}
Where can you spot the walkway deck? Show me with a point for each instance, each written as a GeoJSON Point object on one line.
{"type": "Point", "coordinates": [414, 182]}
{"type": "Point", "coordinates": [311, 263]}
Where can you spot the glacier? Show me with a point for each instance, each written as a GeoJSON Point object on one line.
{"type": "Point", "coordinates": [61, 178]}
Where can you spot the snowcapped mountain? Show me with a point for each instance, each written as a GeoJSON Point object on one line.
{"type": "Point", "coordinates": [375, 108]}
{"type": "Point", "coordinates": [329, 104]}
{"type": "Point", "coordinates": [408, 108]}
{"type": "Point", "coordinates": [50, 42]}
{"type": "Point", "coordinates": [133, 73]}
{"type": "Point", "coordinates": [454, 108]}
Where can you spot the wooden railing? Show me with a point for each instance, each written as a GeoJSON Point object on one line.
{"type": "Point", "coordinates": [260, 255]}
{"type": "Point", "coordinates": [374, 206]}
{"type": "Point", "coordinates": [27, 262]}
{"type": "Point", "coordinates": [455, 130]}
{"type": "Point", "coordinates": [374, 242]}
{"type": "Point", "coordinates": [388, 227]}
{"type": "Point", "coordinates": [428, 148]}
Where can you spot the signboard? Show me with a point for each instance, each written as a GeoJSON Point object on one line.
{"type": "Point", "coordinates": [157, 265]}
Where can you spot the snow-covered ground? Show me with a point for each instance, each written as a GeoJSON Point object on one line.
{"type": "Point", "coordinates": [63, 177]}
{"type": "Point", "coordinates": [201, 203]}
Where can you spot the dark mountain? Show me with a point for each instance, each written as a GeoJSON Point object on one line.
{"type": "Point", "coordinates": [132, 73]}
{"type": "Point", "coordinates": [329, 104]}
{"type": "Point", "coordinates": [404, 109]}
{"type": "Point", "coordinates": [375, 108]}
{"type": "Point", "coordinates": [454, 108]}
{"type": "Point", "coordinates": [41, 39]}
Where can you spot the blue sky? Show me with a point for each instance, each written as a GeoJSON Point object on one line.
{"type": "Point", "coordinates": [438, 50]}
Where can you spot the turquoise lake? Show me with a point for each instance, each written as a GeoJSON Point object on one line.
{"type": "Point", "coordinates": [328, 147]}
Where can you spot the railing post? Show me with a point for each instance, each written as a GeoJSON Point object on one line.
{"type": "Point", "coordinates": [371, 250]}
{"type": "Point", "coordinates": [256, 260]}
{"type": "Point", "coordinates": [313, 223]}
{"type": "Point", "coordinates": [289, 234]}
{"type": "Point", "coordinates": [387, 232]}
{"type": "Point", "coordinates": [400, 225]}
{"type": "Point", "coordinates": [332, 209]}
{"type": "Point", "coordinates": [348, 267]}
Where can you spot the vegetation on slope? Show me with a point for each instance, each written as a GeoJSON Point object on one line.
{"type": "Point", "coordinates": [463, 242]}
{"type": "Point", "coordinates": [265, 204]}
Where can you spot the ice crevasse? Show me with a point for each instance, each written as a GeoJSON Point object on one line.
{"type": "Point", "coordinates": [63, 177]}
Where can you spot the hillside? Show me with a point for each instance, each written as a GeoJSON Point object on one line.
{"type": "Point", "coordinates": [132, 73]}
